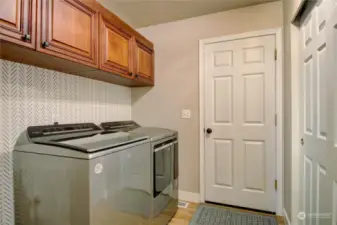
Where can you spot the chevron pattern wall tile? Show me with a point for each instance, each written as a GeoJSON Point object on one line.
{"type": "Point", "coordinates": [34, 96]}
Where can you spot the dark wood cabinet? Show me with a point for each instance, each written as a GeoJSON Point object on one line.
{"type": "Point", "coordinates": [68, 29]}
{"type": "Point", "coordinates": [17, 22]}
{"type": "Point", "coordinates": [143, 62]}
{"type": "Point", "coordinates": [115, 46]}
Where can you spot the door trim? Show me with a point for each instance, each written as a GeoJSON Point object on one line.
{"type": "Point", "coordinates": [279, 108]}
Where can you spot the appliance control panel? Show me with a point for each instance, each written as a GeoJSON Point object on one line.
{"type": "Point", "coordinates": [58, 129]}
{"type": "Point", "coordinates": [124, 126]}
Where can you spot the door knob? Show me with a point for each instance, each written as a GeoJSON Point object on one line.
{"type": "Point", "coordinates": [209, 130]}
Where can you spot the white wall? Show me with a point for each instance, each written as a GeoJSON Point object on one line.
{"type": "Point", "coordinates": [291, 110]}
{"type": "Point", "coordinates": [176, 69]}
{"type": "Point", "coordinates": [34, 96]}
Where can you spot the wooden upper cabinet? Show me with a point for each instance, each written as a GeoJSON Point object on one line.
{"type": "Point", "coordinates": [78, 37]}
{"type": "Point", "coordinates": [144, 62]}
{"type": "Point", "coordinates": [17, 22]}
{"type": "Point", "coordinates": [115, 49]}
{"type": "Point", "coordinates": [68, 29]}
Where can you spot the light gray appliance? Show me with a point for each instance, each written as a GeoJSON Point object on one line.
{"type": "Point", "coordinates": [77, 174]}
{"type": "Point", "coordinates": [164, 164]}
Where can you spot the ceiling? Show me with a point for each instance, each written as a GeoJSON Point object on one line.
{"type": "Point", "coordinates": [142, 13]}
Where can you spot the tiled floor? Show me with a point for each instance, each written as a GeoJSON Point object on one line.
{"type": "Point", "coordinates": [183, 216]}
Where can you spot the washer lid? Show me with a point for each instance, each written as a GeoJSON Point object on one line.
{"type": "Point", "coordinates": [154, 133]}
{"type": "Point", "coordinates": [99, 142]}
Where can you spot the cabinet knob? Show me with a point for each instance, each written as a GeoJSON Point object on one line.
{"type": "Point", "coordinates": [26, 37]}
{"type": "Point", "coordinates": [45, 44]}
{"type": "Point", "coordinates": [130, 74]}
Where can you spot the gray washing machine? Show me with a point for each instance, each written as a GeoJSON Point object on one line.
{"type": "Point", "coordinates": [77, 174]}
{"type": "Point", "coordinates": [164, 167]}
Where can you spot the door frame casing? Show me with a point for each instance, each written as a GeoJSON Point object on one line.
{"type": "Point", "coordinates": [279, 107]}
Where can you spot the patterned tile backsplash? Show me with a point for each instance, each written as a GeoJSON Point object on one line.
{"type": "Point", "coordinates": [34, 96]}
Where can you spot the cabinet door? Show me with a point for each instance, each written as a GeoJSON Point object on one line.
{"type": "Point", "coordinates": [144, 63]}
{"type": "Point", "coordinates": [115, 49]}
{"type": "Point", "coordinates": [17, 22]}
{"type": "Point", "coordinates": [68, 29]}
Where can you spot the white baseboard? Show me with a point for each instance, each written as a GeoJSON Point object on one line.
{"type": "Point", "coordinates": [286, 218]}
{"type": "Point", "coordinates": [189, 196]}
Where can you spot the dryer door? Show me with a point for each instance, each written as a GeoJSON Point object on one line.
{"type": "Point", "coordinates": [162, 168]}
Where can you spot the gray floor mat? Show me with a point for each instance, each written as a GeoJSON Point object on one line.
{"type": "Point", "coordinates": [211, 215]}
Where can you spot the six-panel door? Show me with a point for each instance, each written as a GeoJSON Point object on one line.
{"type": "Point", "coordinates": [115, 49]}
{"type": "Point", "coordinates": [317, 76]}
{"type": "Point", "coordinates": [17, 22]}
{"type": "Point", "coordinates": [240, 109]}
{"type": "Point", "coordinates": [68, 29]}
{"type": "Point", "coordinates": [144, 63]}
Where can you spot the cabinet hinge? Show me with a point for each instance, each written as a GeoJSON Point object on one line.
{"type": "Point", "coordinates": [275, 185]}
{"type": "Point", "coordinates": [275, 120]}
{"type": "Point", "coordinates": [275, 54]}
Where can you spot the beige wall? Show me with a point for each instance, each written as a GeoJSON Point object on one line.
{"type": "Point", "coordinates": [291, 41]}
{"type": "Point", "coordinates": [176, 69]}
{"type": "Point", "coordinates": [113, 7]}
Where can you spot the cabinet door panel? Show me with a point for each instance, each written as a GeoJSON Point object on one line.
{"type": "Point", "coordinates": [144, 63]}
{"type": "Point", "coordinates": [10, 13]}
{"type": "Point", "coordinates": [17, 22]}
{"type": "Point", "coordinates": [115, 49]}
{"type": "Point", "coordinates": [77, 32]}
{"type": "Point", "coordinates": [68, 29]}
{"type": "Point", "coordinates": [118, 48]}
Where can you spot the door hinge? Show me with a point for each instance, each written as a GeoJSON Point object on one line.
{"type": "Point", "coordinates": [275, 54]}
{"type": "Point", "coordinates": [275, 185]}
{"type": "Point", "coordinates": [275, 120]}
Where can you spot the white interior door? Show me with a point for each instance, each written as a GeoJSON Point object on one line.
{"type": "Point", "coordinates": [318, 113]}
{"type": "Point", "coordinates": [240, 109]}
